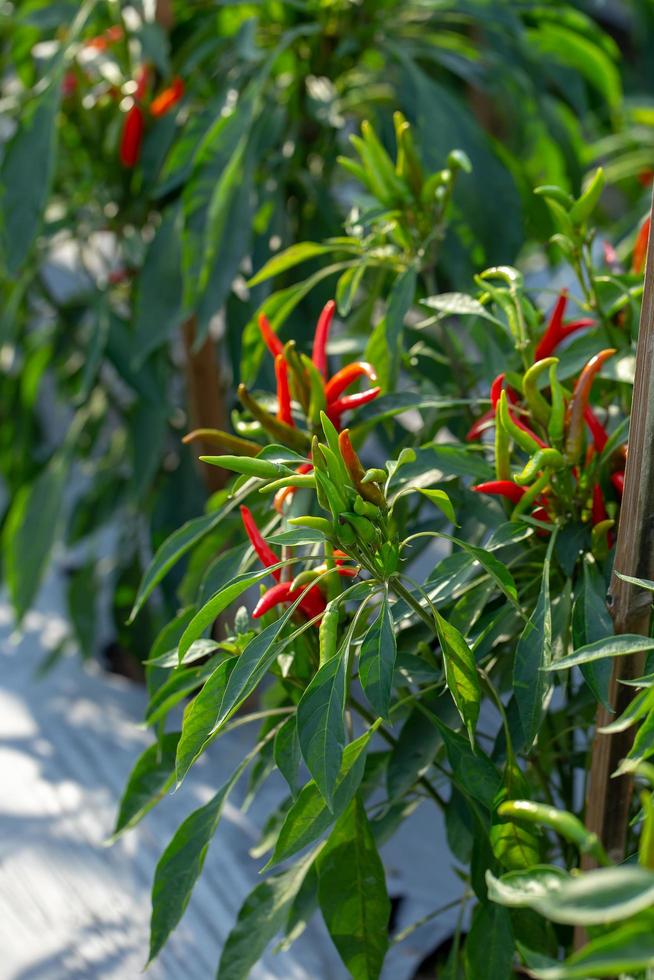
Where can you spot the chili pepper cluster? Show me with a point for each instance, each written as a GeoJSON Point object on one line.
{"type": "Point", "coordinates": [553, 460]}
{"type": "Point", "coordinates": [135, 121]}
{"type": "Point", "coordinates": [357, 533]}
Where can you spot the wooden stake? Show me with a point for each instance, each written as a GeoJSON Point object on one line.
{"type": "Point", "coordinates": [608, 799]}
{"type": "Point", "coordinates": [205, 399]}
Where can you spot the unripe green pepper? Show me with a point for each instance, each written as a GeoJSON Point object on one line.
{"type": "Point", "coordinates": [537, 403]}
{"type": "Point", "coordinates": [365, 509]}
{"type": "Point", "coordinates": [555, 428]}
{"type": "Point", "coordinates": [544, 459]}
{"type": "Point", "coordinates": [314, 523]}
{"type": "Point", "coordinates": [328, 633]}
{"type": "Point", "coordinates": [502, 446]}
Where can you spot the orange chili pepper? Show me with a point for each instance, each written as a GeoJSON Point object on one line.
{"type": "Point", "coordinates": [640, 248]}
{"type": "Point", "coordinates": [170, 96]}
{"type": "Point", "coordinates": [284, 413]}
{"type": "Point", "coordinates": [346, 376]}
{"type": "Point", "coordinates": [577, 405]}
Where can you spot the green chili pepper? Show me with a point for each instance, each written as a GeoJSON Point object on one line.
{"type": "Point", "coordinates": [365, 509]}
{"type": "Point", "coordinates": [366, 531]}
{"type": "Point", "coordinates": [538, 405]}
{"type": "Point", "coordinates": [375, 475]}
{"type": "Point", "coordinates": [328, 633]}
{"type": "Point", "coordinates": [288, 435]}
{"type": "Point", "coordinates": [519, 436]}
{"type": "Point", "coordinates": [346, 535]}
{"type": "Point", "coordinates": [294, 480]}
{"type": "Point", "coordinates": [555, 428]}
{"type": "Point", "coordinates": [305, 577]}
{"type": "Point", "coordinates": [314, 523]}
{"type": "Point", "coordinates": [550, 459]}
{"type": "Point", "coordinates": [565, 824]}
{"type": "Point", "coordinates": [297, 378]}
{"type": "Point", "coordinates": [646, 847]}
{"type": "Point", "coordinates": [502, 447]}
{"type": "Point", "coordinates": [599, 539]}
{"type": "Point", "coordinates": [317, 399]}
{"type": "Point", "coordinates": [530, 495]}
{"type": "Point", "coordinates": [265, 469]}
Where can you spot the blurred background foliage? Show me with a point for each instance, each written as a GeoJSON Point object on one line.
{"type": "Point", "coordinates": [124, 269]}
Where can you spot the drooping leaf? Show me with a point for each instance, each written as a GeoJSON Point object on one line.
{"type": "Point", "coordinates": [612, 646]}
{"type": "Point", "coordinates": [31, 530]}
{"type": "Point", "coordinates": [352, 894]}
{"type": "Point", "coordinates": [309, 816]}
{"type": "Point", "coordinates": [460, 673]}
{"type": "Point", "coordinates": [377, 660]}
{"type": "Point", "coordinates": [262, 916]}
{"type": "Point", "coordinates": [159, 294]}
{"type": "Point", "coordinates": [533, 656]}
{"type": "Point", "coordinates": [321, 726]}
{"type": "Point", "coordinates": [287, 753]}
{"type": "Point", "coordinates": [620, 952]}
{"type": "Point", "coordinates": [489, 944]}
{"type": "Point", "coordinates": [200, 718]}
{"type": "Point", "coordinates": [149, 781]}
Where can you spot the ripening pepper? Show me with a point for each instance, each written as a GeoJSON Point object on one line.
{"type": "Point", "coordinates": [575, 412]}
{"type": "Point", "coordinates": [167, 99]}
{"type": "Point", "coordinates": [640, 248]}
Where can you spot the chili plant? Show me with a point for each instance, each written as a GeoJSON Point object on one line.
{"type": "Point", "coordinates": [390, 678]}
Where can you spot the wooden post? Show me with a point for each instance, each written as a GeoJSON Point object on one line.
{"type": "Point", "coordinates": [608, 799]}
{"type": "Point", "coordinates": [205, 400]}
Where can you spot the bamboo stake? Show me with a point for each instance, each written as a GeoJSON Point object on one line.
{"type": "Point", "coordinates": [608, 799]}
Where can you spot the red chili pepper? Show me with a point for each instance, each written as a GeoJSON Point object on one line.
{"type": "Point", "coordinates": [270, 338]}
{"type": "Point", "coordinates": [572, 327]}
{"type": "Point", "coordinates": [502, 488]}
{"type": "Point", "coordinates": [598, 512]}
{"type": "Point", "coordinates": [319, 354]}
{"type": "Point", "coordinates": [266, 555]}
{"type": "Point", "coordinates": [68, 84]}
{"type": "Point", "coordinates": [617, 479]}
{"type": "Point", "coordinates": [645, 177]}
{"type": "Point", "coordinates": [170, 96]}
{"type": "Point", "coordinates": [640, 248]}
{"type": "Point", "coordinates": [312, 604]}
{"type": "Point", "coordinates": [283, 392]}
{"type": "Point", "coordinates": [496, 391]}
{"type": "Point", "coordinates": [578, 403]}
{"type": "Point", "coordinates": [132, 137]}
{"type": "Point", "coordinates": [285, 493]}
{"type": "Point", "coordinates": [346, 376]}
{"type": "Point", "coordinates": [480, 425]}
{"type": "Point", "coordinates": [142, 82]}
{"type": "Point", "coordinates": [349, 402]}
{"type": "Point", "coordinates": [550, 338]}
{"type": "Point", "coordinates": [597, 430]}
{"type": "Point", "coordinates": [111, 36]}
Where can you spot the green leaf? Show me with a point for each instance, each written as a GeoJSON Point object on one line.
{"type": "Point", "coordinates": [474, 773]}
{"type": "Point", "coordinates": [460, 674]}
{"type": "Point", "coordinates": [149, 781]}
{"type": "Point", "coordinates": [320, 724]}
{"type": "Point", "coordinates": [520, 889]}
{"type": "Point", "coordinates": [352, 894]}
{"type": "Point", "coordinates": [619, 952]}
{"type": "Point", "coordinates": [251, 666]}
{"type": "Point", "coordinates": [200, 718]}
{"type": "Point", "coordinates": [180, 865]}
{"type": "Point", "coordinates": [377, 660]}
{"type": "Point", "coordinates": [262, 916]}
{"type": "Point", "coordinates": [612, 646]}
{"type": "Point", "coordinates": [217, 604]}
{"type": "Point", "coordinates": [413, 753]}
{"type": "Point", "coordinates": [597, 624]}
{"type": "Point", "coordinates": [458, 304]}
{"type": "Point", "coordinates": [489, 944]}
{"type": "Point", "coordinates": [26, 175]}
{"type": "Point", "coordinates": [31, 531]}
{"type": "Point", "coordinates": [593, 898]}
{"type": "Point", "coordinates": [532, 658]}
{"type": "Point", "coordinates": [289, 258]}
{"type": "Point", "coordinates": [571, 48]}
{"type": "Point", "coordinates": [182, 681]}
{"type": "Point", "coordinates": [309, 816]}
{"type": "Point", "coordinates": [158, 306]}
{"type": "Point", "coordinates": [287, 754]}
{"type": "Point", "coordinates": [441, 500]}
{"type": "Point", "coordinates": [399, 304]}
